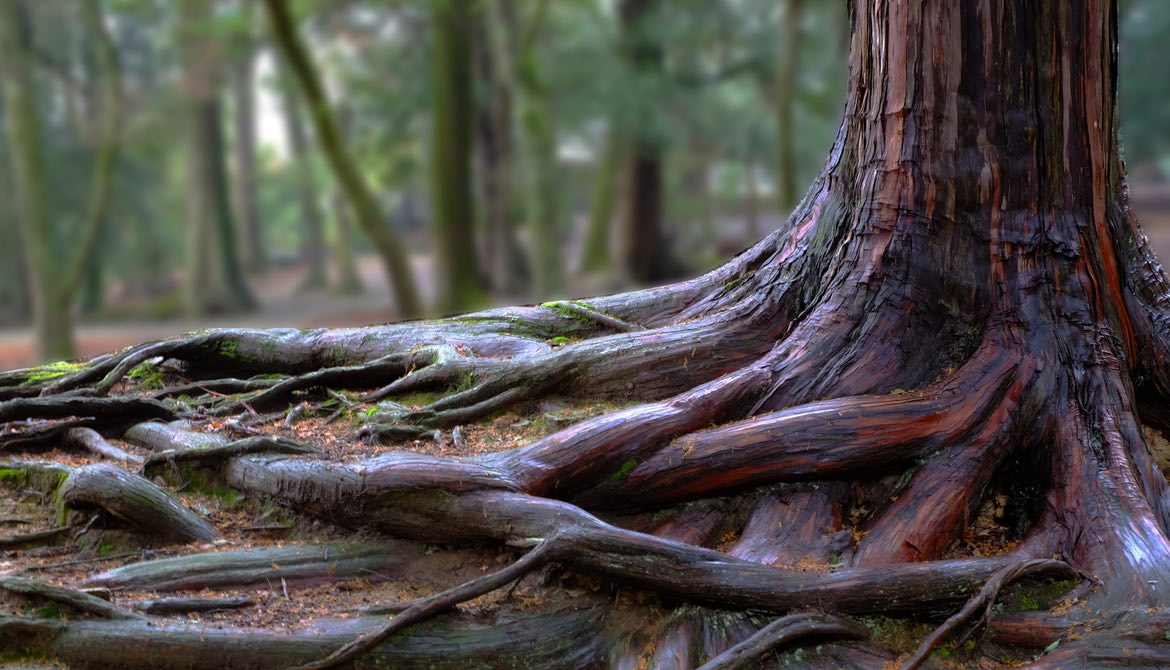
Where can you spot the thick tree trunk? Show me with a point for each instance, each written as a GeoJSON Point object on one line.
{"type": "Point", "coordinates": [643, 240]}
{"type": "Point", "coordinates": [451, 156]}
{"type": "Point", "coordinates": [961, 304]}
{"type": "Point", "coordinates": [215, 281]}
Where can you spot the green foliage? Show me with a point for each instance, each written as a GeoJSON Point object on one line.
{"type": "Point", "coordinates": [147, 376]}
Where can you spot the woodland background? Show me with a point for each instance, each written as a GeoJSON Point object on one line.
{"type": "Point", "coordinates": [519, 150]}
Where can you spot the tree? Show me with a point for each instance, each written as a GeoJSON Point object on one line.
{"type": "Point", "coordinates": [961, 304]}
{"type": "Point", "coordinates": [243, 86]}
{"type": "Point", "coordinates": [785, 92]}
{"type": "Point", "coordinates": [452, 207]}
{"type": "Point", "coordinates": [363, 204]}
{"type": "Point", "coordinates": [215, 281]}
{"type": "Point", "coordinates": [313, 244]}
{"type": "Point", "coordinates": [54, 275]}
{"type": "Point", "coordinates": [642, 236]}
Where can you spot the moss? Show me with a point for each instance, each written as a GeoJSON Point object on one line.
{"type": "Point", "coordinates": [419, 399]}
{"type": "Point", "coordinates": [1035, 595]}
{"type": "Point", "coordinates": [52, 371]}
{"type": "Point", "coordinates": [147, 375]}
{"type": "Point", "coordinates": [14, 476]}
{"type": "Point", "coordinates": [106, 547]}
{"type": "Point", "coordinates": [559, 341]}
{"type": "Point", "coordinates": [229, 348]}
{"type": "Point", "coordinates": [626, 469]}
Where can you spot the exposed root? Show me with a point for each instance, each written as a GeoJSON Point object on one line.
{"type": "Point", "coordinates": [32, 539]}
{"type": "Point", "coordinates": [819, 440]}
{"type": "Point", "coordinates": [111, 411]}
{"type": "Point", "coordinates": [982, 601]}
{"type": "Point", "coordinates": [564, 637]}
{"type": "Point", "coordinates": [82, 602]}
{"type": "Point", "coordinates": [164, 606]}
{"type": "Point", "coordinates": [782, 631]}
{"type": "Point", "coordinates": [135, 500]}
{"type": "Point", "coordinates": [215, 455]}
{"type": "Point", "coordinates": [296, 565]}
{"type": "Point", "coordinates": [92, 441]}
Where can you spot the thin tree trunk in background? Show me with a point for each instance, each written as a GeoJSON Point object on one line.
{"type": "Point", "coordinates": [785, 92]}
{"type": "Point", "coordinates": [51, 319]}
{"type": "Point", "coordinates": [55, 276]}
{"type": "Point", "coordinates": [595, 253]}
{"type": "Point", "coordinates": [395, 261]}
{"type": "Point", "coordinates": [643, 240]}
{"type": "Point", "coordinates": [452, 207]}
{"type": "Point", "coordinates": [312, 218]}
{"type": "Point", "coordinates": [520, 67]}
{"type": "Point", "coordinates": [495, 149]}
{"type": "Point", "coordinates": [243, 84]}
{"type": "Point", "coordinates": [349, 282]}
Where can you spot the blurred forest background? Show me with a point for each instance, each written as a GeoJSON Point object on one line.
{"type": "Point", "coordinates": [167, 165]}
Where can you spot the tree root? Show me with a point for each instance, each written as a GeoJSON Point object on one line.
{"type": "Point", "coordinates": [111, 411]}
{"type": "Point", "coordinates": [782, 631]}
{"type": "Point", "coordinates": [82, 602]}
{"type": "Point", "coordinates": [566, 637]}
{"type": "Point", "coordinates": [135, 500]}
{"type": "Point", "coordinates": [815, 441]}
{"type": "Point", "coordinates": [33, 539]}
{"type": "Point", "coordinates": [166, 606]}
{"type": "Point", "coordinates": [93, 442]}
{"type": "Point", "coordinates": [297, 566]}
{"type": "Point", "coordinates": [216, 455]}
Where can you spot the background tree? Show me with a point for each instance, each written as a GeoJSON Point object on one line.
{"type": "Point", "coordinates": [215, 280]}
{"type": "Point", "coordinates": [451, 156]}
{"type": "Point", "coordinates": [362, 201]}
{"type": "Point", "coordinates": [55, 273]}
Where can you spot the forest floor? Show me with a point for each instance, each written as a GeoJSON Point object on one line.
{"type": "Point", "coordinates": [281, 602]}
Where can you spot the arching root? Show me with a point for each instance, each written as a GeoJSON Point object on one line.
{"type": "Point", "coordinates": [136, 500]}
{"type": "Point", "coordinates": [782, 631]}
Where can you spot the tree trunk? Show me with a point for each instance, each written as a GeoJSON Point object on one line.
{"type": "Point", "coordinates": [962, 307]}
{"type": "Point", "coordinates": [363, 204]}
{"type": "Point", "coordinates": [215, 281]}
{"type": "Point", "coordinates": [243, 84]}
{"type": "Point", "coordinates": [496, 150]}
{"type": "Point", "coordinates": [452, 206]}
{"type": "Point", "coordinates": [55, 275]}
{"type": "Point", "coordinates": [595, 253]}
{"type": "Point", "coordinates": [643, 241]}
{"type": "Point", "coordinates": [313, 243]}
